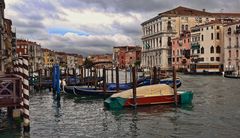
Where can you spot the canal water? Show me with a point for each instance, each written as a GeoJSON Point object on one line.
{"type": "Point", "coordinates": [215, 113]}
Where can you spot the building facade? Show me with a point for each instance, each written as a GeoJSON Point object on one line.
{"type": "Point", "coordinates": [207, 48]}
{"type": "Point", "coordinates": [133, 57]}
{"type": "Point", "coordinates": [158, 32]}
{"type": "Point", "coordinates": [232, 47]}
{"type": "Point", "coordinates": [48, 57]}
{"type": "Point", "coordinates": [34, 53]}
{"type": "Point", "coordinates": [122, 55]}
{"type": "Point", "coordinates": [181, 51]}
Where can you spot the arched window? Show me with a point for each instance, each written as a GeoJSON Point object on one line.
{"type": "Point", "coordinates": [182, 28]}
{"type": "Point", "coordinates": [202, 50]}
{"type": "Point", "coordinates": [186, 27]}
{"type": "Point", "coordinates": [237, 42]}
{"type": "Point", "coordinates": [169, 26]}
{"type": "Point", "coordinates": [229, 30]}
{"type": "Point", "coordinates": [169, 41]}
{"type": "Point", "coordinates": [218, 49]}
{"type": "Point", "coordinates": [212, 49]}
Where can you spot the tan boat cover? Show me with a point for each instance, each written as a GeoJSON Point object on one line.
{"type": "Point", "coordinates": [147, 91]}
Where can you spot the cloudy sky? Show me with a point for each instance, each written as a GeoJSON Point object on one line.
{"type": "Point", "coordinates": [94, 26]}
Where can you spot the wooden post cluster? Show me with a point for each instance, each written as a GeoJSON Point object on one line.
{"type": "Point", "coordinates": [134, 87]}
{"type": "Point", "coordinates": [117, 78]}
{"type": "Point", "coordinates": [154, 75]}
{"type": "Point", "coordinates": [104, 80]}
{"type": "Point", "coordinates": [174, 85]}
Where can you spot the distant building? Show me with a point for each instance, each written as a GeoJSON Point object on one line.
{"type": "Point", "coordinates": [232, 47]}
{"type": "Point", "coordinates": [33, 51]}
{"type": "Point", "coordinates": [207, 47]}
{"type": "Point", "coordinates": [71, 61]}
{"type": "Point", "coordinates": [123, 56]}
{"type": "Point", "coordinates": [61, 59]}
{"type": "Point", "coordinates": [49, 58]}
{"type": "Point", "coordinates": [79, 60]}
{"type": "Point", "coordinates": [181, 51]}
{"type": "Point", "coordinates": [133, 56]}
{"type": "Point", "coordinates": [159, 30]}
{"type": "Point", "coordinates": [103, 60]}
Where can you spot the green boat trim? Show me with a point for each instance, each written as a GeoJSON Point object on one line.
{"type": "Point", "coordinates": [115, 102]}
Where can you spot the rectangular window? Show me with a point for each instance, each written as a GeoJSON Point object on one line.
{"type": "Point", "coordinates": [212, 59]}
{"type": "Point", "coordinates": [202, 38]}
{"type": "Point", "coordinates": [211, 36]}
{"type": "Point", "coordinates": [217, 58]}
{"type": "Point", "coordinates": [218, 36]}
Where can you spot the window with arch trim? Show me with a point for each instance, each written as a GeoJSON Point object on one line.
{"type": "Point", "coordinates": [218, 49]}
{"type": "Point", "coordinates": [202, 50]}
{"type": "Point", "coordinates": [212, 49]}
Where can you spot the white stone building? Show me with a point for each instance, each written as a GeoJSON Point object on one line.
{"type": "Point", "coordinates": [159, 30]}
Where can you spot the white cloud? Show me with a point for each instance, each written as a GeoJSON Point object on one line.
{"type": "Point", "coordinates": [107, 23]}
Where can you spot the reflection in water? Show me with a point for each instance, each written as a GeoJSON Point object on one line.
{"type": "Point", "coordinates": [133, 124]}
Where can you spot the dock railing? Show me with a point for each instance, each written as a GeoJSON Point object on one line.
{"type": "Point", "coordinates": [10, 91]}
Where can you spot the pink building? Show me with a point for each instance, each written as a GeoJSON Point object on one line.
{"type": "Point", "coordinates": [123, 56]}
{"type": "Point", "coordinates": [232, 48]}
{"type": "Point", "coordinates": [181, 51]}
{"type": "Point", "coordinates": [132, 56]}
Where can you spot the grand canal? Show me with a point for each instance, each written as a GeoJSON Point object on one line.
{"type": "Point", "coordinates": [215, 112]}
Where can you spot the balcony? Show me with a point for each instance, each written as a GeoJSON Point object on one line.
{"type": "Point", "coordinates": [195, 46]}
{"type": "Point", "coordinates": [237, 32]}
{"type": "Point", "coordinates": [236, 46]}
{"type": "Point", "coordinates": [229, 47]}
{"type": "Point", "coordinates": [195, 29]}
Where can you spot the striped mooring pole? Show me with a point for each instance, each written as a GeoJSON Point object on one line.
{"type": "Point", "coordinates": [25, 74]}
{"type": "Point", "coordinates": [20, 74]}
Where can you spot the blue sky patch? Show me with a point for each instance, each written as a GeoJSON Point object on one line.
{"type": "Point", "coordinates": [63, 31]}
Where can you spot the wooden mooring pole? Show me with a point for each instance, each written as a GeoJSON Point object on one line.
{"type": "Point", "coordinates": [117, 78]}
{"type": "Point", "coordinates": [154, 75]}
{"type": "Point", "coordinates": [134, 87]}
{"type": "Point", "coordinates": [112, 75]}
{"type": "Point", "coordinates": [104, 79]}
{"type": "Point", "coordinates": [174, 86]}
{"type": "Point", "coordinates": [126, 75]}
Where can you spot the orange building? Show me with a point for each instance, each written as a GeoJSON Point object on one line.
{"type": "Point", "coordinates": [103, 60]}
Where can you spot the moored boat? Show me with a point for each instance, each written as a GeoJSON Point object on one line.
{"type": "Point", "coordinates": [84, 91]}
{"type": "Point", "coordinates": [232, 76]}
{"type": "Point", "coordinates": [148, 95]}
{"type": "Point", "coordinates": [167, 81]}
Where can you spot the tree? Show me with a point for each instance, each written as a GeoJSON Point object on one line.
{"type": "Point", "coordinates": [137, 63]}
{"type": "Point", "coordinates": [87, 63]}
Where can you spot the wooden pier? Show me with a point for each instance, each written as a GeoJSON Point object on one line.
{"type": "Point", "coordinates": [10, 91]}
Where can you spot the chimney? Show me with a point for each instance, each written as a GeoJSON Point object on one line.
{"type": "Point", "coordinates": [204, 10]}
